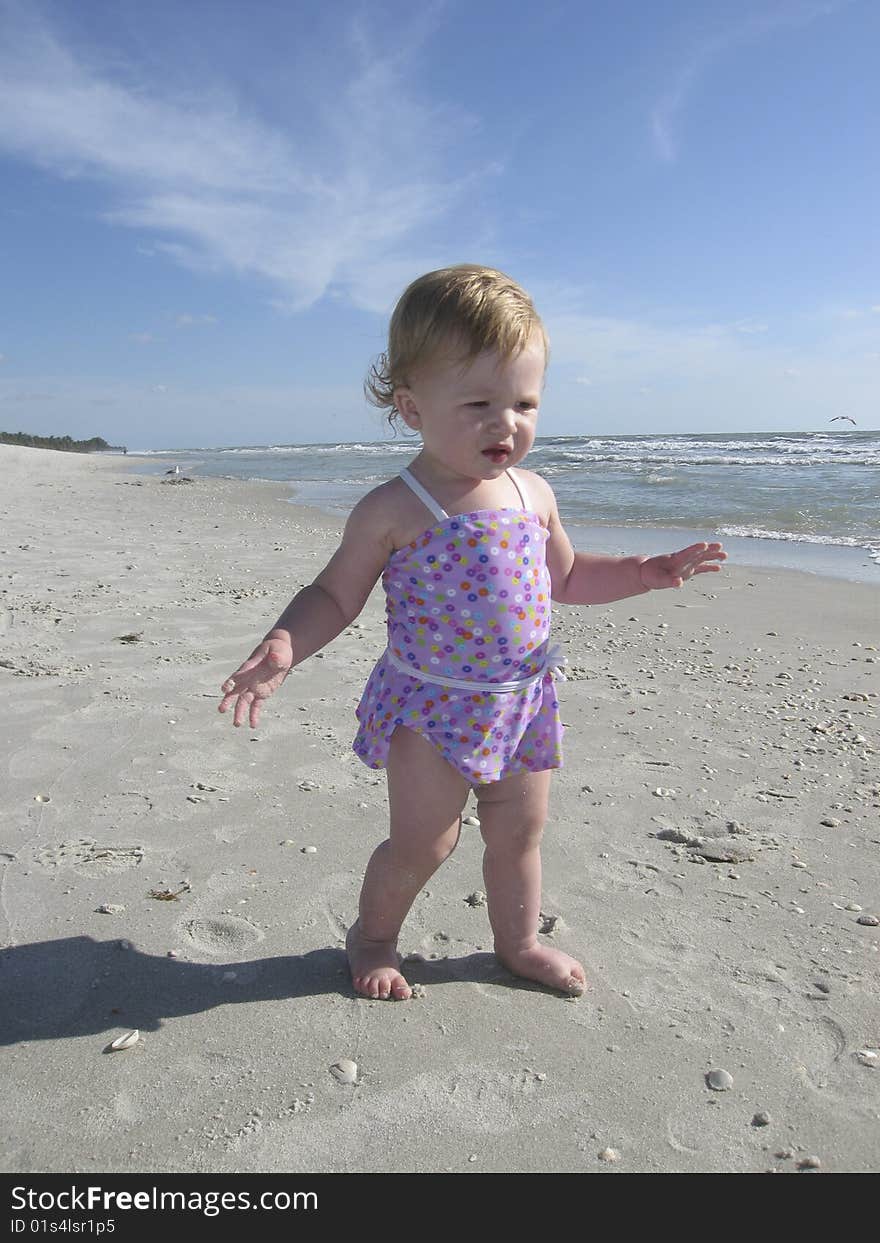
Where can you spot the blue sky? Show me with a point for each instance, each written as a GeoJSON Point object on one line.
{"type": "Point", "coordinates": [209, 209]}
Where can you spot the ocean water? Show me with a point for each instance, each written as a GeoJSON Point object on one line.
{"type": "Point", "coordinates": [799, 500]}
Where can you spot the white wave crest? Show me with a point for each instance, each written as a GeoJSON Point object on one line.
{"type": "Point", "coordinates": [798, 537]}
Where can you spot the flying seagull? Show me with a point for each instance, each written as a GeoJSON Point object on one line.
{"type": "Point", "coordinates": [838, 417]}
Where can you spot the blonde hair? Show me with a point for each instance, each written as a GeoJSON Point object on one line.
{"type": "Point", "coordinates": [456, 313]}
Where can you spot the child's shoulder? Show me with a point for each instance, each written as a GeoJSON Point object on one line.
{"type": "Point", "coordinates": [387, 513]}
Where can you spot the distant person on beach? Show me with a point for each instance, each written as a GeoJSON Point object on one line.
{"type": "Point", "coordinates": [470, 552]}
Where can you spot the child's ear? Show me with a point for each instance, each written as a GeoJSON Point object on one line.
{"type": "Point", "coordinates": [406, 406]}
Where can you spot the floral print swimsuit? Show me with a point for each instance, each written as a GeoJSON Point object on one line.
{"type": "Point", "coordinates": [466, 666]}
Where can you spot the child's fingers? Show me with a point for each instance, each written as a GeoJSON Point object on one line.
{"type": "Point", "coordinates": [693, 550]}
{"type": "Point", "coordinates": [697, 555]}
{"type": "Point", "coordinates": [245, 699]}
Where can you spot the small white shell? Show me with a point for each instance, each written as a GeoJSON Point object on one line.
{"type": "Point", "coordinates": [344, 1071]}
{"type": "Point", "coordinates": [126, 1041]}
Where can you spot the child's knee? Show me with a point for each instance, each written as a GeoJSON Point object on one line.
{"type": "Point", "coordinates": [511, 829]}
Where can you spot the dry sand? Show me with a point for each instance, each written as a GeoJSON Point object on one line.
{"type": "Point", "coordinates": [713, 843]}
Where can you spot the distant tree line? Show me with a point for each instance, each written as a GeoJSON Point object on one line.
{"type": "Point", "coordinates": [66, 443]}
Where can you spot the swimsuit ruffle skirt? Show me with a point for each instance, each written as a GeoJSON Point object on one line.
{"type": "Point", "coordinates": [468, 612]}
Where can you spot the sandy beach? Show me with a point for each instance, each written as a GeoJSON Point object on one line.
{"type": "Point", "coordinates": [712, 856]}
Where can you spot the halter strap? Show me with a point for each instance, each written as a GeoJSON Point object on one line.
{"type": "Point", "coordinates": [423, 494]}
{"type": "Point", "coordinates": [439, 513]}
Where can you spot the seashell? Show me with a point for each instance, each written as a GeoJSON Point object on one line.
{"type": "Point", "coordinates": [42, 798]}
{"type": "Point", "coordinates": [344, 1071]}
{"type": "Point", "coordinates": [472, 820]}
{"type": "Point", "coordinates": [125, 1042]}
{"type": "Point", "coordinates": [720, 1080]}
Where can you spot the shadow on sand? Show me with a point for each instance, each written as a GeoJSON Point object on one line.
{"type": "Point", "coordinates": [77, 986]}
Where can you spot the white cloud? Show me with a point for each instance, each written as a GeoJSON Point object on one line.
{"type": "Point", "coordinates": [186, 320]}
{"type": "Point", "coordinates": [654, 374]}
{"type": "Point", "coordinates": [666, 114]}
{"type": "Point", "coordinates": [359, 188]}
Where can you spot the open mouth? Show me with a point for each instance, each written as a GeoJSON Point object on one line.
{"type": "Point", "coordinates": [497, 454]}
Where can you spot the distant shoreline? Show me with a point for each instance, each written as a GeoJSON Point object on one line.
{"type": "Point", "coordinates": [62, 444]}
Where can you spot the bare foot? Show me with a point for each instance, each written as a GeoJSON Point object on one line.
{"type": "Point", "coordinates": [374, 967]}
{"type": "Point", "coordinates": [547, 966]}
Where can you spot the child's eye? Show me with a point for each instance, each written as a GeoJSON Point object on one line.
{"type": "Point", "coordinates": [478, 405]}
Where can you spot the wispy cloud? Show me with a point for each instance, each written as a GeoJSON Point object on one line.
{"type": "Point", "coordinates": [186, 320]}
{"type": "Point", "coordinates": [667, 113]}
{"type": "Point", "coordinates": [608, 350]}
{"type": "Point", "coordinates": [347, 197]}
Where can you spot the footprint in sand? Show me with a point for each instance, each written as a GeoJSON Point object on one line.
{"type": "Point", "coordinates": [222, 935]}
{"type": "Point", "coordinates": [817, 1048]}
{"type": "Point", "coordinates": [91, 858]}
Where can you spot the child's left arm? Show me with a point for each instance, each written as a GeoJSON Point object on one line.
{"type": "Point", "coordinates": [591, 578]}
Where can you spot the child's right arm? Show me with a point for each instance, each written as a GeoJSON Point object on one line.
{"type": "Point", "coordinates": [318, 613]}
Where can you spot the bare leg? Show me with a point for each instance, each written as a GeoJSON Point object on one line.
{"type": "Point", "coordinates": [512, 815]}
{"type": "Point", "coordinates": [426, 796]}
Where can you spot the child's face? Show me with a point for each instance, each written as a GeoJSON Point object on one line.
{"type": "Point", "coordinates": [477, 419]}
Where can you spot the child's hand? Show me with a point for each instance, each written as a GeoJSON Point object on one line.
{"type": "Point", "coordinates": [674, 568]}
{"type": "Point", "coordinates": [258, 678]}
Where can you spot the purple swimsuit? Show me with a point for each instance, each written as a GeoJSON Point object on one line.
{"type": "Point", "coordinates": [468, 611]}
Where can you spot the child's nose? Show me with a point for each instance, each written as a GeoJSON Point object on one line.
{"type": "Point", "coordinates": [506, 418]}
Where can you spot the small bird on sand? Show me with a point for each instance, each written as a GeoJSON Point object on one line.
{"type": "Point", "coordinates": [175, 470]}
{"type": "Point", "coordinates": [847, 417]}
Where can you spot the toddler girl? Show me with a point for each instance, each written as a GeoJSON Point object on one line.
{"type": "Point", "coordinates": [470, 552]}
